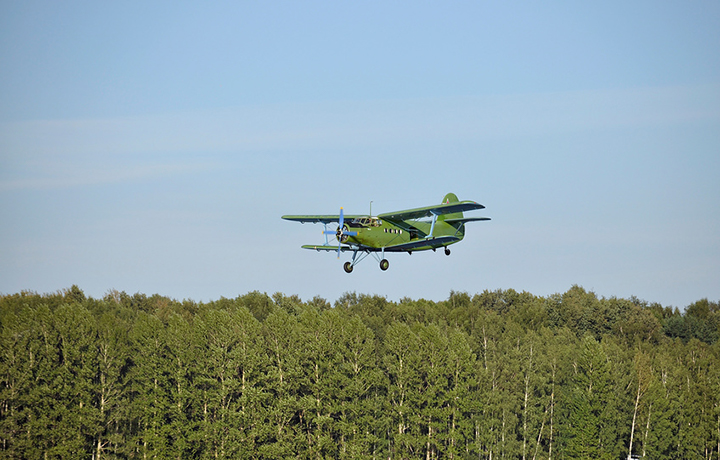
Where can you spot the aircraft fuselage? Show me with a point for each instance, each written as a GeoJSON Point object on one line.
{"type": "Point", "coordinates": [374, 232]}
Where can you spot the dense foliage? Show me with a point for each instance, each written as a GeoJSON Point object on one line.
{"type": "Point", "coordinates": [498, 375]}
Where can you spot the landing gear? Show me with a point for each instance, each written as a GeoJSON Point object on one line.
{"type": "Point", "coordinates": [378, 255]}
{"type": "Point", "coordinates": [447, 251]}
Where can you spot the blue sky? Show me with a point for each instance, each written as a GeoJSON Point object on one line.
{"type": "Point", "coordinates": [153, 146]}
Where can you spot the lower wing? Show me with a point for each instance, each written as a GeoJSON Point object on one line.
{"type": "Point", "coordinates": [418, 245]}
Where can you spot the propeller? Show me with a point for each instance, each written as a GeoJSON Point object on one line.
{"type": "Point", "coordinates": [342, 232]}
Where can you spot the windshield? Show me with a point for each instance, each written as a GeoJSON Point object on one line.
{"type": "Point", "coordinates": [367, 221]}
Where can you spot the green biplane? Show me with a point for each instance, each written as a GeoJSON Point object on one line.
{"type": "Point", "coordinates": [418, 229]}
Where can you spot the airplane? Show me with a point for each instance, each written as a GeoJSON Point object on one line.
{"type": "Point", "coordinates": [400, 231]}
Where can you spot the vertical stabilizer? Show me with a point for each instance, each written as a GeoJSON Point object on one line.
{"type": "Point", "coordinates": [450, 198]}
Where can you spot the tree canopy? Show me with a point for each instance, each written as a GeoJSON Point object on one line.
{"type": "Point", "coordinates": [500, 374]}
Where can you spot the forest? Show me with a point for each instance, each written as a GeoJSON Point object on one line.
{"type": "Point", "coordinates": [495, 375]}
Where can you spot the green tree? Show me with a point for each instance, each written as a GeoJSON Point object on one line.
{"type": "Point", "coordinates": [401, 360]}
{"type": "Point", "coordinates": [113, 354]}
{"type": "Point", "coordinates": [360, 390]}
{"type": "Point", "coordinates": [589, 405]}
{"type": "Point", "coordinates": [433, 404]}
{"type": "Point", "coordinates": [230, 363]}
{"type": "Point", "coordinates": [462, 408]}
{"type": "Point", "coordinates": [28, 357]}
{"type": "Point", "coordinates": [149, 381]}
{"type": "Point", "coordinates": [182, 415]}
{"type": "Point", "coordinates": [503, 374]}
{"type": "Point", "coordinates": [284, 380]}
{"type": "Point", "coordinates": [643, 379]}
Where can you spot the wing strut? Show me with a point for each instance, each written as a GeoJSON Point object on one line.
{"type": "Point", "coordinates": [432, 226]}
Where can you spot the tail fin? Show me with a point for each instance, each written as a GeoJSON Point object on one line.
{"type": "Point", "coordinates": [450, 198]}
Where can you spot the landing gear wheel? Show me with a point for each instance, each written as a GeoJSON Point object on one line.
{"type": "Point", "coordinates": [348, 267]}
{"type": "Point", "coordinates": [384, 264]}
{"type": "Point", "coordinates": [447, 251]}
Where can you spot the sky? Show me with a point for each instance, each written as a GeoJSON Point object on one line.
{"type": "Point", "coordinates": [152, 147]}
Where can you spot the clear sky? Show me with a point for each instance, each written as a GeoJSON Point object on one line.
{"type": "Point", "coordinates": [153, 146]}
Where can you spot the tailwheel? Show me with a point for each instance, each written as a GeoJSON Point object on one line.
{"type": "Point", "coordinates": [348, 267]}
{"type": "Point", "coordinates": [384, 264]}
{"type": "Point", "coordinates": [447, 251]}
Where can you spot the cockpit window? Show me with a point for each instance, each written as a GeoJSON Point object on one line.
{"type": "Point", "coordinates": [367, 221]}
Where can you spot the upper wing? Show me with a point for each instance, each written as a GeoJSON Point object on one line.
{"type": "Point", "coordinates": [427, 211]}
{"type": "Point", "coordinates": [465, 220]}
{"type": "Point", "coordinates": [324, 219]}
